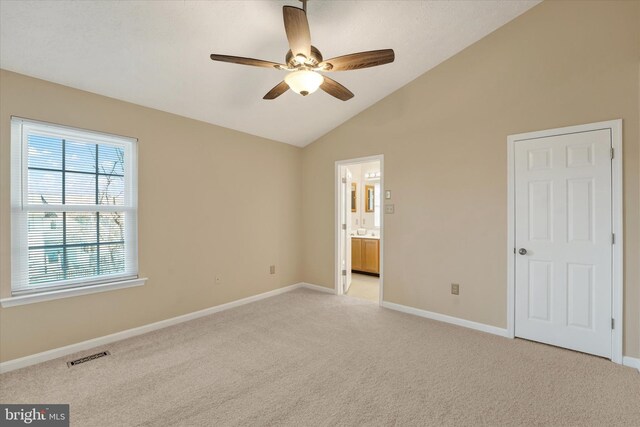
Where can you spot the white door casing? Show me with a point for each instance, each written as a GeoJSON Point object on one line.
{"type": "Point", "coordinates": [340, 244]}
{"type": "Point", "coordinates": [562, 213]}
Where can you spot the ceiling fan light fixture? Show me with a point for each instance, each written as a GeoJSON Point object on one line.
{"type": "Point", "coordinates": [304, 82]}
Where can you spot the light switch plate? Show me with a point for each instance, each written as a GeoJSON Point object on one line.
{"type": "Point", "coordinates": [387, 194]}
{"type": "Point", "coordinates": [389, 209]}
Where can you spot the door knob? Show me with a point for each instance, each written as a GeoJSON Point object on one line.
{"type": "Point", "coordinates": [522, 251]}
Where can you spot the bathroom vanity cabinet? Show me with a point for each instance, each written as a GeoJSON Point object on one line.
{"type": "Point", "coordinates": [365, 255]}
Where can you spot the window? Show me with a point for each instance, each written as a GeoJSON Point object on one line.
{"type": "Point", "coordinates": [74, 208]}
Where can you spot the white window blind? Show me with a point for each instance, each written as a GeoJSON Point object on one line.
{"type": "Point", "coordinates": [73, 207]}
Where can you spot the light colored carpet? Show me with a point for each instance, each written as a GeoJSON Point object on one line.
{"type": "Point", "coordinates": [307, 358]}
{"type": "Point", "coordinates": [365, 287]}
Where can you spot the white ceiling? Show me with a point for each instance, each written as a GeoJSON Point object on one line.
{"type": "Point", "coordinates": [156, 54]}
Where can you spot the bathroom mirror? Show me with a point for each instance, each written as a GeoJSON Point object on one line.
{"type": "Point", "coordinates": [369, 205]}
{"type": "Point", "coordinates": [354, 202]}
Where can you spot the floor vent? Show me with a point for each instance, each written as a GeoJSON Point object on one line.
{"type": "Point", "coordinates": [87, 358]}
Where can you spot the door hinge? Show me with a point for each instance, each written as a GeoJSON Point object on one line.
{"type": "Point", "coordinates": [613, 238]}
{"type": "Point", "coordinates": [613, 323]}
{"type": "Point", "coordinates": [344, 226]}
{"type": "Point", "coordinates": [344, 180]}
{"type": "Point", "coordinates": [344, 272]}
{"type": "Point", "coordinates": [514, 250]}
{"type": "Point", "coordinates": [612, 153]}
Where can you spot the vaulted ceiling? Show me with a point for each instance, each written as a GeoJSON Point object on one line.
{"type": "Point", "coordinates": [156, 54]}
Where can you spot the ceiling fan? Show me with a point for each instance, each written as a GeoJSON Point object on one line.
{"type": "Point", "coordinates": [304, 61]}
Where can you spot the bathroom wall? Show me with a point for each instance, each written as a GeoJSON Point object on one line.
{"type": "Point", "coordinates": [356, 178]}
{"type": "Point", "coordinates": [362, 219]}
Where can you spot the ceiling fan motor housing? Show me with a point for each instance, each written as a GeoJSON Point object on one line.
{"type": "Point", "coordinates": [313, 61]}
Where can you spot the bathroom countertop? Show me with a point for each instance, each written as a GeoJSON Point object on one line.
{"type": "Point", "coordinates": [365, 236]}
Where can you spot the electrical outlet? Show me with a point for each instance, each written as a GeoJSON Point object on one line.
{"type": "Point", "coordinates": [272, 269]}
{"type": "Point", "coordinates": [455, 289]}
{"type": "Point", "coordinates": [218, 279]}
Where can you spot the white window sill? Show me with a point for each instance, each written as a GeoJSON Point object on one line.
{"type": "Point", "coordinates": [71, 292]}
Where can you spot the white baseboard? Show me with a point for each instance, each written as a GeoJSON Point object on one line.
{"type": "Point", "coordinates": [626, 360]}
{"type": "Point", "coordinates": [447, 319]}
{"type": "Point", "coordinates": [11, 365]}
{"type": "Point", "coordinates": [632, 362]}
{"type": "Point", "coordinates": [318, 288]}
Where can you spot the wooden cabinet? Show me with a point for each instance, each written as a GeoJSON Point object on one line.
{"type": "Point", "coordinates": [365, 255]}
{"type": "Point", "coordinates": [356, 254]}
{"type": "Point", "coordinates": [371, 255]}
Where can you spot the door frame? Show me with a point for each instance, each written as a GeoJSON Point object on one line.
{"type": "Point", "coordinates": [615, 128]}
{"type": "Point", "coordinates": [338, 169]}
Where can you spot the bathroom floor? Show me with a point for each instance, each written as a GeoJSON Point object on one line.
{"type": "Point", "coordinates": [364, 287]}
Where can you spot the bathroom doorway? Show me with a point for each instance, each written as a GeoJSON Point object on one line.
{"type": "Point", "coordinates": [359, 228]}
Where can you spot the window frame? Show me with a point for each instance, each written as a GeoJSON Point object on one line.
{"type": "Point", "coordinates": [21, 289]}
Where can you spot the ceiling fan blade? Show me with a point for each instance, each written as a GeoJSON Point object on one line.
{"type": "Point", "coordinates": [297, 28]}
{"type": "Point", "coordinates": [334, 88]}
{"type": "Point", "coordinates": [278, 90]}
{"type": "Point", "coordinates": [246, 61]}
{"type": "Point", "coordinates": [359, 60]}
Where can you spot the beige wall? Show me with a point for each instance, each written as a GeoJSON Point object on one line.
{"type": "Point", "coordinates": [211, 200]}
{"type": "Point", "coordinates": [444, 141]}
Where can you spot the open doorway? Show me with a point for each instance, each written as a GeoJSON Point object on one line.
{"type": "Point", "coordinates": [359, 228]}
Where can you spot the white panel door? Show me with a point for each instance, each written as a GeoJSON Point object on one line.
{"type": "Point", "coordinates": [345, 229]}
{"type": "Point", "coordinates": [347, 223]}
{"type": "Point", "coordinates": [563, 219]}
